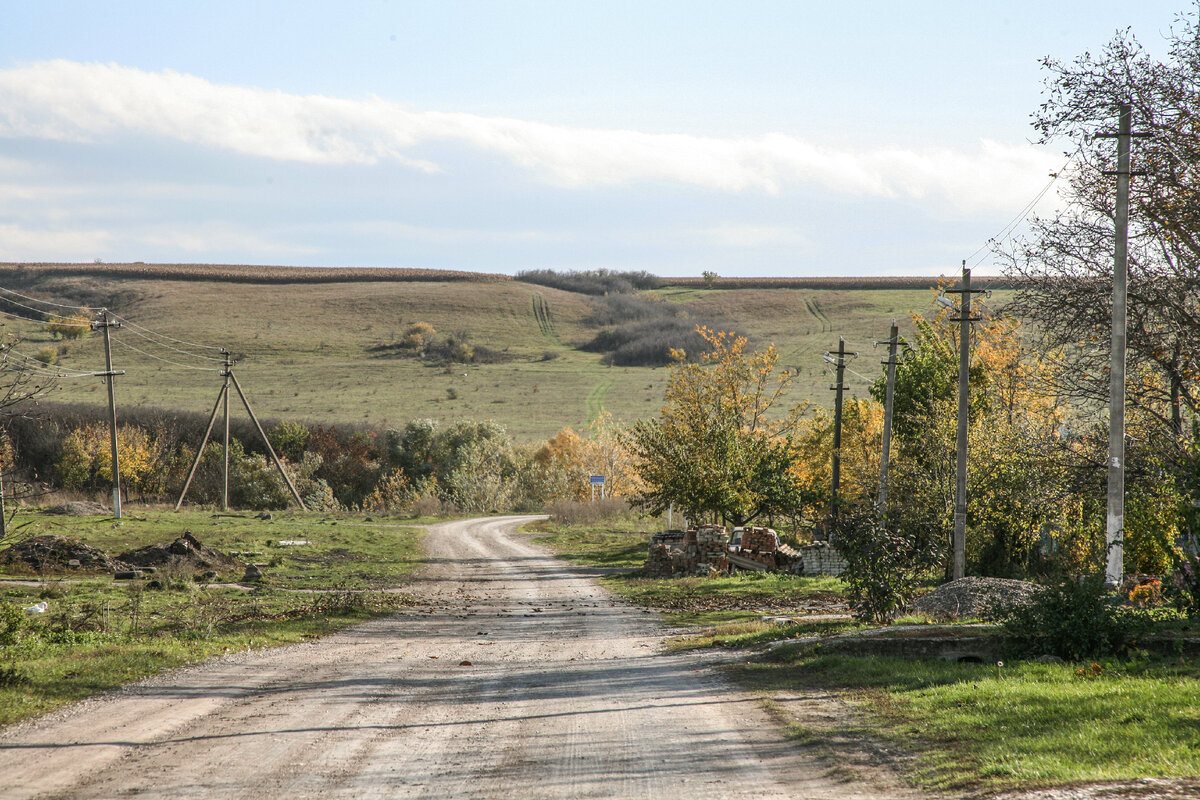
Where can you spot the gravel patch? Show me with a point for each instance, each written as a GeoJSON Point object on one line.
{"type": "Point", "coordinates": [973, 597]}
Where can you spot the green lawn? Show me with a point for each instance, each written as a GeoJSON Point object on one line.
{"type": "Point", "coordinates": [1026, 724]}
{"type": "Point", "coordinates": [98, 633]}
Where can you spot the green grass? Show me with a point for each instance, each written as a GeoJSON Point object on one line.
{"type": "Point", "coordinates": [1034, 725]}
{"type": "Point", "coordinates": [99, 633]}
{"type": "Point", "coordinates": [742, 633]}
{"type": "Point", "coordinates": [344, 551]}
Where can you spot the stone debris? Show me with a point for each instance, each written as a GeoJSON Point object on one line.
{"type": "Point", "coordinates": [186, 552]}
{"type": "Point", "coordinates": [973, 597]}
{"type": "Point", "coordinates": [50, 553]}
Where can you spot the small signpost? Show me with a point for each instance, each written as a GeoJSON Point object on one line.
{"type": "Point", "coordinates": [597, 480]}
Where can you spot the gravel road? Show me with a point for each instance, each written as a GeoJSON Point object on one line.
{"type": "Point", "coordinates": [516, 677]}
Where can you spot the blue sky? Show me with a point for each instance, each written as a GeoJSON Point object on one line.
{"type": "Point", "coordinates": [748, 138]}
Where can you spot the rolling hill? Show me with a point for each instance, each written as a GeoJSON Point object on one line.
{"type": "Point", "coordinates": [322, 345]}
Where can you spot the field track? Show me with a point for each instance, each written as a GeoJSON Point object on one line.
{"type": "Point", "coordinates": [517, 678]}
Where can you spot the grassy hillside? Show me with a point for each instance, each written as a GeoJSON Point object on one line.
{"type": "Point", "coordinates": [317, 350]}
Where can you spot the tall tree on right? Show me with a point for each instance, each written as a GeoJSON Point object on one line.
{"type": "Point", "coordinates": [1065, 263]}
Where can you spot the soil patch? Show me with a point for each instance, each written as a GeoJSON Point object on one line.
{"type": "Point", "coordinates": [59, 554]}
{"type": "Point", "coordinates": [186, 552]}
{"type": "Point", "coordinates": [974, 597]}
{"type": "Point", "coordinates": [78, 508]}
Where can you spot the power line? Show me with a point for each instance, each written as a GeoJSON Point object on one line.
{"type": "Point", "coordinates": [169, 338]}
{"type": "Point", "coordinates": [165, 360]}
{"type": "Point", "coordinates": [11, 315]}
{"type": "Point", "coordinates": [176, 349]}
{"type": "Point", "coordinates": [45, 302]}
{"type": "Point", "coordinates": [1025, 211]}
{"type": "Point", "coordinates": [40, 367]}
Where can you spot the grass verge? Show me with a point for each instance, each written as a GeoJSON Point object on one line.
{"type": "Point", "coordinates": [728, 608]}
{"type": "Point", "coordinates": [1027, 724]}
{"type": "Point", "coordinates": [97, 633]}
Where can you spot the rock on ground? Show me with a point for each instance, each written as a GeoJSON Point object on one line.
{"type": "Point", "coordinates": [973, 597]}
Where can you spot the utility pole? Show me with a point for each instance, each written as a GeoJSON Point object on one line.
{"type": "Point", "coordinates": [1115, 523]}
{"type": "Point", "coordinates": [223, 400]}
{"type": "Point", "coordinates": [226, 373]}
{"type": "Point", "coordinates": [840, 387]}
{"type": "Point", "coordinates": [105, 325]}
{"type": "Point", "coordinates": [3, 511]}
{"type": "Point", "coordinates": [888, 398]}
{"type": "Point", "coordinates": [964, 319]}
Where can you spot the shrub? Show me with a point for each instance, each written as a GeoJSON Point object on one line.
{"type": "Point", "coordinates": [68, 327]}
{"type": "Point", "coordinates": [1075, 619]}
{"type": "Point", "coordinates": [47, 355]}
{"type": "Point", "coordinates": [418, 335]}
{"type": "Point", "coordinates": [884, 568]}
{"type": "Point", "coordinates": [575, 512]}
{"type": "Point", "coordinates": [649, 343]}
{"type": "Point", "coordinates": [591, 281]}
{"type": "Point", "coordinates": [289, 440]}
{"type": "Point", "coordinates": [1182, 587]}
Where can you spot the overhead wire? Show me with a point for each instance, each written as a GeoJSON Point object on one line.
{"type": "Point", "coordinates": [175, 349]}
{"type": "Point", "coordinates": [165, 360]}
{"type": "Point", "coordinates": [1025, 211]}
{"type": "Point", "coordinates": [36, 365]}
{"type": "Point", "coordinates": [11, 315]}
{"type": "Point", "coordinates": [165, 336]}
{"type": "Point", "coordinates": [46, 302]}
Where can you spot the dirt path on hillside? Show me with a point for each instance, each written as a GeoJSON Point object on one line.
{"type": "Point", "coordinates": [518, 678]}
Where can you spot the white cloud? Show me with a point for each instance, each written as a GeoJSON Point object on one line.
{"type": "Point", "coordinates": [750, 236]}
{"type": "Point", "coordinates": [70, 101]}
{"type": "Point", "coordinates": [19, 243]}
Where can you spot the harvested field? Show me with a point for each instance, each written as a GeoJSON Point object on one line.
{"type": "Point", "coordinates": [244, 273]}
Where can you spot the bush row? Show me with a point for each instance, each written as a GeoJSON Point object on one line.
{"type": "Point", "coordinates": [591, 281]}
{"type": "Point", "coordinates": [423, 466]}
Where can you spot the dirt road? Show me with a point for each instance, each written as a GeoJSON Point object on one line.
{"type": "Point", "coordinates": [518, 678]}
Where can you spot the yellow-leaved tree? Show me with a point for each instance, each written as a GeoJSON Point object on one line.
{"type": "Point", "coordinates": [720, 447]}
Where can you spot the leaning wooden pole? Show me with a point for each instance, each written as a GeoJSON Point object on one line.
{"type": "Point", "coordinates": [266, 441]}
{"type": "Point", "coordinates": [212, 419]}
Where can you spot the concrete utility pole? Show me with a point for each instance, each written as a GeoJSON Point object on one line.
{"type": "Point", "coordinates": [964, 319]}
{"type": "Point", "coordinates": [840, 387]}
{"type": "Point", "coordinates": [226, 373]}
{"type": "Point", "coordinates": [105, 325]}
{"type": "Point", "coordinates": [888, 398]}
{"type": "Point", "coordinates": [1115, 527]}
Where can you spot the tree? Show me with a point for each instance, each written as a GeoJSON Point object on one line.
{"type": "Point", "coordinates": [717, 449]}
{"type": "Point", "coordinates": [1019, 468]}
{"type": "Point", "coordinates": [74, 326]}
{"type": "Point", "coordinates": [1065, 264]}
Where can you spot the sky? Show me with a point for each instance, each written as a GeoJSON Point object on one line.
{"type": "Point", "coordinates": [750, 138]}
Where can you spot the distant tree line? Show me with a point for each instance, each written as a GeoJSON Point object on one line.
{"type": "Point", "coordinates": [592, 281]}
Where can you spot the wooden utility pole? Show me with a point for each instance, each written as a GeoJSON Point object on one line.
{"type": "Point", "coordinates": [266, 441]}
{"type": "Point", "coordinates": [888, 398]}
{"type": "Point", "coordinates": [223, 400]}
{"type": "Point", "coordinates": [1115, 523]}
{"type": "Point", "coordinates": [840, 387]}
{"type": "Point", "coordinates": [964, 319]}
{"type": "Point", "coordinates": [105, 325]}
